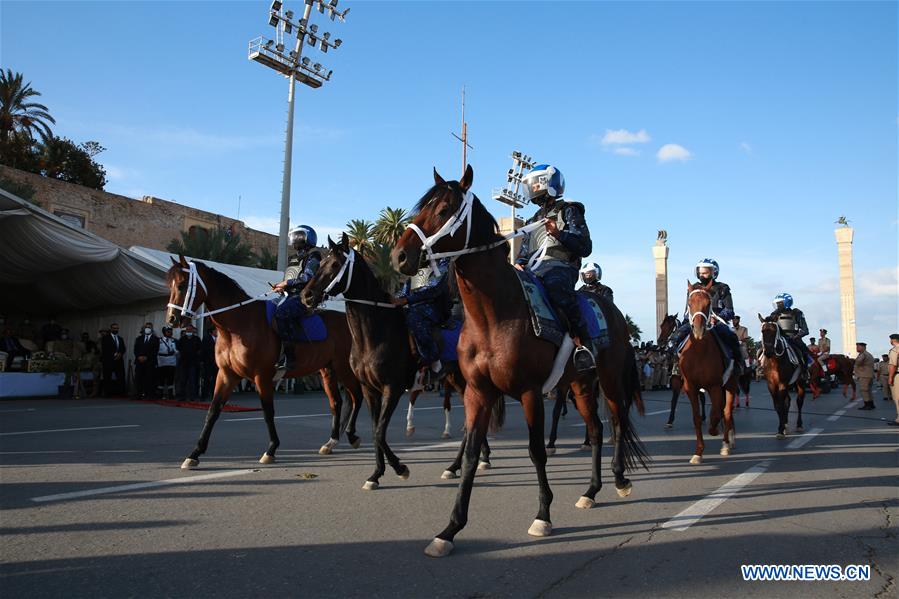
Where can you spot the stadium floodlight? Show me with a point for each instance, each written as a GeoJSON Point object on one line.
{"type": "Point", "coordinates": [294, 66]}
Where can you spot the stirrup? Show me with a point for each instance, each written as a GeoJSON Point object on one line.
{"type": "Point", "coordinates": [583, 359]}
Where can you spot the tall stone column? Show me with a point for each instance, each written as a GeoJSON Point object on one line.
{"type": "Point", "coordinates": [847, 286]}
{"type": "Point", "coordinates": [660, 254]}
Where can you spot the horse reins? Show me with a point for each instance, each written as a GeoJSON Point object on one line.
{"type": "Point", "coordinates": [194, 278]}
{"type": "Point", "coordinates": [349, 264]}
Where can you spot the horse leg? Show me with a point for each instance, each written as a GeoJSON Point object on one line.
{"type": "Point", "coordinates": [532, 401]}
{"type": "Point", "coordinates": [354, 390]}
{"type": "Point", "coordinates": [266, 390]}
{"type": "Point", "coordinates": [447, 406]}
{"type": "Point", "coordinates": [694, 394]}
{"type": "Point", "coordinates": [452, 469]}
{"type": "Point", "coordinates": [410, 422]}
{"type": "Point", "coordinates": [702, 399]}
{"type": "Point", "coordinates": [224, 384]}
{"type": "Point", "coordinates": [586, 406]}
{"type": "Point", "coordinates": [800, 399]}
{"type": "Point", "coordinates": [373, 399]}
{"type": "Point", "coordinates": [477, 417]}
{"type": "Point", "coordinates": [729, 397]}
{"type": "Point", "coordinates": [484, 461]}
{"type": "Point", "coordinates": [716, 397]}
{"type": "Point", "coordinates": [554, 428]}
{"type": "Point", "coordinates": [675, 394]}
{"type": "Point", "coordinates": [335, 403]}
{"type": "Point", "coordinates": [389, 400]}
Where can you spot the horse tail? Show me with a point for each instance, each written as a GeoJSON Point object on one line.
{"type": "Point", "coordinates": [634, 451]}
{"type": "Point", "coordinates": [498, 415]}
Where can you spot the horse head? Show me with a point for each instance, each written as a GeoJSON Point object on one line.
{"type": "Point", "coordinates": [188, 292]}
{"type": "Point", "coordinates": [770, 332]}
{"type": "Point", "coordinates": [442, 223]}
{"type": "Point", "coordinates": [332, 275]}
{"type": "Point", "coordinates": [699, 308]}
{"type": "Point", "coordinates": [666, 328]}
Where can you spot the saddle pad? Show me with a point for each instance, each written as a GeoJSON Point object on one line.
{"type": "Point", "coordinates": [543, 317]}
{"type": "Point", "coordinates": [449, 341]}
{"type": "Point", "coordinates": [597, 327]}
{"type": "Point", "coordinates": [312, 326]}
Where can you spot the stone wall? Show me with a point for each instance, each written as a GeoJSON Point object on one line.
{"type": "Point", "coordinates": [148, 222]}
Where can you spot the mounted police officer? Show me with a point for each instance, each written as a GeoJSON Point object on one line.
{"type": "Point", "coordinates": [554, 253]}
{"type": "Point", "coordinates": [591, 275]}
{"type": "Point", "coordinates": [301, 267]}
{"type": "Point", "coordinates": [792, 324]}
{"type": "Point", "coordinates": [722, 309]}
{"type": "Point", "coordinates": [427, 305]}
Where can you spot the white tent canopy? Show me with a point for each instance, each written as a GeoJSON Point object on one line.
{"type": "Point", "coordinates": [48, 266]}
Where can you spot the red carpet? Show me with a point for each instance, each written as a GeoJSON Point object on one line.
{"type": "Point", "coordinates": [200, 405]}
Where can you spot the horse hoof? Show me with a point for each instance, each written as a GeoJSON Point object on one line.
{"type": "Point", "coordinates": [550, 451]}
{"type": "Point", "coordinates": [370, 485]}
{"type": "Point", "coordinates": [584, 503]}
{"type": "Point", "coordinates": [669, 425]}
{"type": "Point", "coordinates": [439, 548]}
{"type": "Point", "coordinates": [540, 528]}
{"type": "Point", "coordinates": [325, 449]}
{"type": "Point", "coordinates": [404, 473]}
{"type": "Point", "coordinates": [586, 447]}
{"type": "Point", "coordinates": [725, 451]}
{"type": "Point", "coordinates": [267, 459]}
{"type": "Point", "coordinates": [410, 430]}
{"type": "Point", "coordinates": [355, 444]}
{"type": "Point", "coordinates": [448, 475]}
{"type": "Point", "coordinates": [189, 464]}
{"type": "Point", "coordinates": [482, 465]}
{"type": "Point", "coordinates": [446, 435]}
{"type": "Point", "coordinates": [626, 490]}
{"type": "Point", "coordinates": [696, 459]}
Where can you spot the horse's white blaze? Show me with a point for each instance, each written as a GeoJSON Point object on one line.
{"type": "Point", "coordinates": [540, 528]}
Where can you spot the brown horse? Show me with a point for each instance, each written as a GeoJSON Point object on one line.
{"type": "Point", "coordinates": [842, 367]}
{"type": "Point", "coordinates": [248, 348]}
{"type": "Point", "coordinates": [500, 355]}
{"type": "Point", "coordinates": [703, 367]}
{"type": "Point", "coordinates": [781, 375]}
{"type": "Point", "coordinates": [675, 381]}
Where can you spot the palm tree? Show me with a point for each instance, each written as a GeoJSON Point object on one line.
{"type": "Point", "coordinates": [382, 266]}
{"type": "Point", "coordinates": [216, 245]}
{"type": "Point", "coordinates": [360, 233]}
{"type": "Point", "coordinates": [18, 115]}
{"type": "Point", "coordinates": [390, 225]}
{"type": "Point", "coordinates": [632, 328]}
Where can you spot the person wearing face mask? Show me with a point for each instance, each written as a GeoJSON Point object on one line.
{"type": "Point", "coordinates": [146, 354]}
{"type": "Point", "coordinates": [112, 357]}
{"type": "Point", "coordinates": [189, 356]}
{"type": "Point", "coordinates": [165, 364]}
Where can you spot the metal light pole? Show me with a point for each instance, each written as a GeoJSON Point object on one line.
{"type": "Point", "coordinates": [464, 138]}
{"type": "Point", "coordinates": [511, 193]}
{"type": "Point", "coordinates": [295, 67]}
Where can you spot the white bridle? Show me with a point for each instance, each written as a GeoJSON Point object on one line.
{"type": "Point", "coordinates": [349, 265]}
{"type": "Point", "coordinates": [462, 216]}
{"type": "Point", "coordinates": [691, 315]}
{"type": "Point", "coordinates": [193, 280]}
{"type": "Point", "coordinates": [778, 339]}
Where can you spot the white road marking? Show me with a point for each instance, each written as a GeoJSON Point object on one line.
{"type": "Point", "coordinates": [430, 447]}
{"type": "Point", "coordinates": [695, 512]}
{"type": "Point", "coordinates": [135, 486]}
{"type": "Point", "coordinates": [32, 452]}
{"type": "Point", "coordinates": [665, 411]}
{"type": "Point", "coordinates": [66, 430]}
{"type": "Point", "coordinates": [276, 417]}
{"type": "Point", "coordinates": [23, 410]}
{"type": "Point", "coordinates": [833, 417]}
{"type": "Point", "coordinates": [797, 443]}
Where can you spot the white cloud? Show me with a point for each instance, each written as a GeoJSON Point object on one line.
{"type": "Point", "coordinates": [626, 151]}
{"type": "Point", "coordinates": [746, 147]}
{"type": "Point", "coordinates": [673, 152]}
{"type": "Point", "coordinates": [622, 136]}
{"type": "Point", "coordinates": [881, 282]}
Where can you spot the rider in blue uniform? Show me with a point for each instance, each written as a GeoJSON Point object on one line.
{"type": "Point", "coordinates": [792, 324]}
{"type": "Point", "coordinates": [722, 311]}
{"type": "Point", "coordinates": [554, 252]}
{"type": "Point", "coordinates": [301, 267]}
{"type": "Point", "coordinates": [591, 275]}
{"type": "Point", "coordinates": [427, 302]}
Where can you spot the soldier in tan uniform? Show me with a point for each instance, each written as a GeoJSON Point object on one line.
{"type": "Point", "coordinates": [893, 380]}
{"type": "Point", "coordinates": [883, 375]}
{"type": "Point", "coordinates": [864, 372]}
{"type": "Point", "coordinates": [824, 347]}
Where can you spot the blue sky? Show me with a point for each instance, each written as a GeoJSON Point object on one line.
{"type": "Point", "coordinates": [743, 129]}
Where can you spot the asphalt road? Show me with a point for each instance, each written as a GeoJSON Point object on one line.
{"type": "Point", "coordinates": [94, 504]}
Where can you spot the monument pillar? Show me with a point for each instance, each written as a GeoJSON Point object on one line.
{"type": "Point", "coordinates": [660, 254]}
{"type": "Point", "coordinates": [847, 287]}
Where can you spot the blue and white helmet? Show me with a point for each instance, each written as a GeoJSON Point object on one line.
{"type": "Point", "coordinates": [303, 234]}
{"type": "Point", "coordinates": [543, 180]}
{"type": "Point", "coordinates": [591, 268]}
{"type": "Point", "coordinates": [708, 263]}
{"type": "Point", "coordinates": [784, 298]}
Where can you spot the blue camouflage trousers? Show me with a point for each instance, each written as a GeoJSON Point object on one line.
{"type": "Point", "coordinates": [559, 283]}
{"type": "Point", "coordinates": [288, 315]}
{"type": "Point", "coordinates": [421, 318]}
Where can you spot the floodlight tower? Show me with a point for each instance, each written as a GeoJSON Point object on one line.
{"type": "Point", "coordinates": [511, 193]}
{"type": "Point", "coordinates": [296, 67]}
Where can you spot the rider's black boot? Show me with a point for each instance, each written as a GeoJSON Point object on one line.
{"type": "Point", "coordinates": [288, 360]}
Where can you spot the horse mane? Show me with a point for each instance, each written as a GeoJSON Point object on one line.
{"type": "Point", "coordinates": [223, 282]}
{"type": "Point", "coordinates": [453, 186]}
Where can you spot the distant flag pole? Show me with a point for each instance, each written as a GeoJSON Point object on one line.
{"type": "Point", "coordinates": [464, 138]}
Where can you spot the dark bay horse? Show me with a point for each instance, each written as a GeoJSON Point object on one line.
{"type": "Point", "coordinates": [675, 380]}
{"type": "Point", "coordinates": [781, 376]}
{"type": "Point", "coordinates": [842, 367]}
{"type": "Point", "coordinates": [382, 356]}
{"type": "Point", "coordinates": [248, 348]}
{"type": "Point", "coordinates": [702, 367]}
{"type": "Point", "coordinates": [500, 355]}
